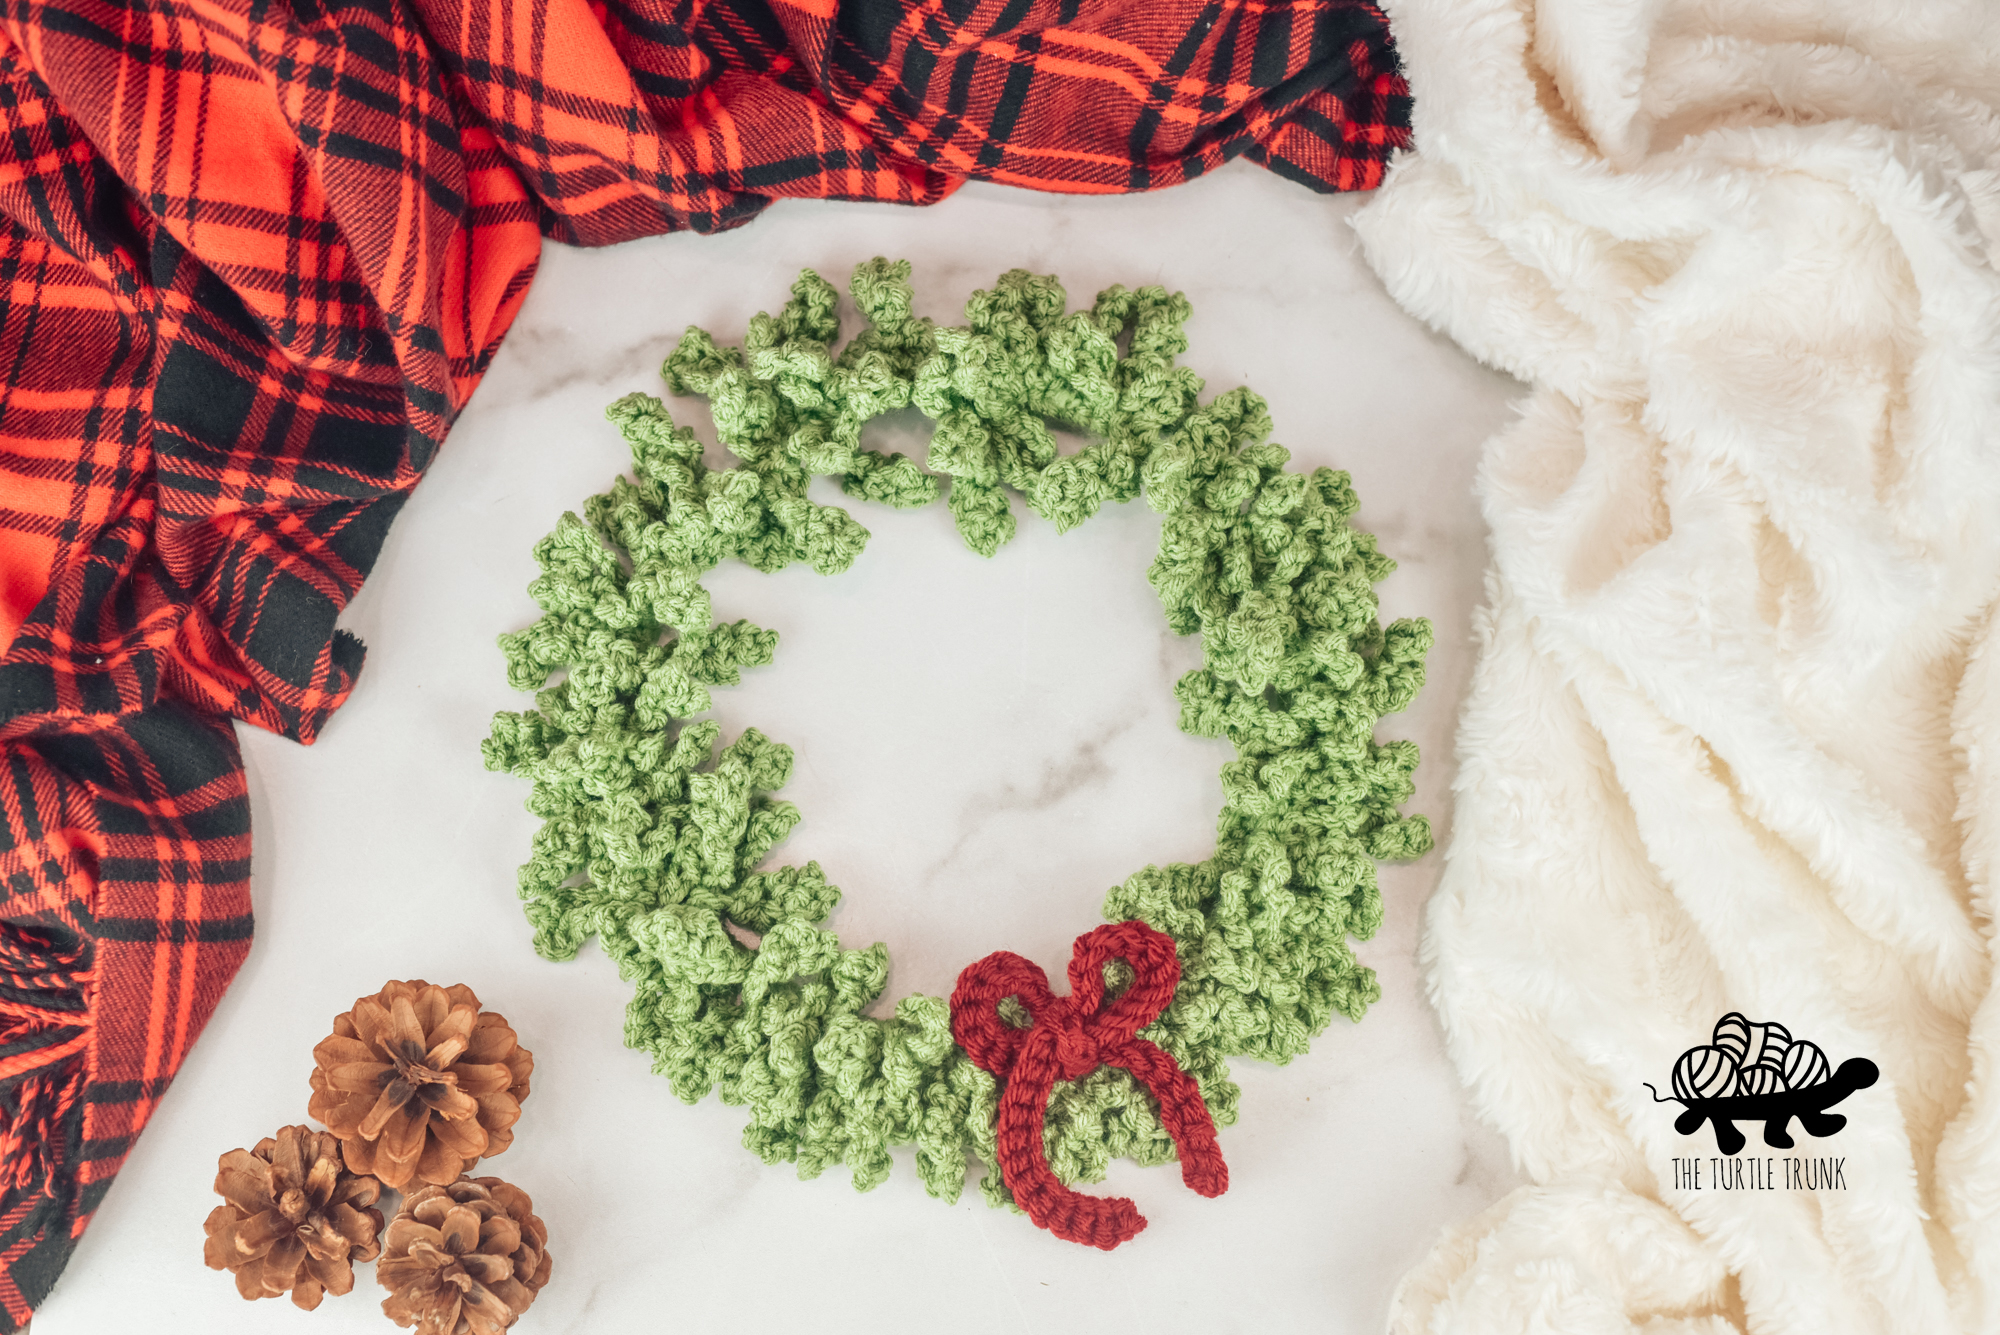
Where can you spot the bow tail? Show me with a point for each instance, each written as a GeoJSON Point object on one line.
{"type": "Point", "coordinates": [1182, 1113]}
{"type": "Point", "coordinates": [1098, 1221]}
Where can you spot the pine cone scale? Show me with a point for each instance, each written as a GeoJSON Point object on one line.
{"type": "Point", "coordinates": [405, 1233]}
{"type": "Point", "coordinates": [445, 1052]}
{"type": "Point", "coordinates": [492, 1042]}
{"type": "Point", "coordinates": [483, 1079]}
{"type": "Point", "coordinates": [463, 1136]}
{"type": "Point", "coordinates": [289, 1159]}
{"type": "Point", "coordinates": [324, 1244]}
{"type": "Point", "coordinates": [500, 1234]}
{"type": "Point", "coordinates": [455, 1027]}
{"type": "Point", "coordinates": [286, 1256]}
{"type": "Point", "coordinates": [246, 1192]}
{"type": "Point", "coordinates": [323, 1180]}
{"type": "Point", "coordinates": [440, 1161]}
{"type": "Point", "coordinates": [451, 1102]}
{"type": "Point", "coordinates": [360, 1077]}
{"type": "Point", "coordinates": [360, 1155]}
{"type": "Point", "coordinates": [436, 1008]}
{"type": "Point", "coordinates": [372, 1024]}
{"type": "Point", "coordinates": [358, 1227]}
{"type": "Point", "coordinates": [253, 1236]}
{"type": "Point", "coordinates": [497, 1112]}
{"type": "Point", "coordinates": [218, 1249]}
{"type": "Point", "coordinates": [387, 1104]}
{"type": "Point", "coordinates": [334, 1273]}
{"type": "Point", "coordinates": [406, 1037]}
{"type": "Point", "coordinates": [339, 1049]}
{"type": "Point", "coordinates": [460, 1232]}
{"type": "Point", "coordinates": [486, 1305]}
{"type": "Point", "coordinates": [411, 1032]}
{"type": "Point", "coordinates": [342, 1113]}
{"type": "Point", "coordinates": [250, 1280]}
{"type": "Point", "coordinates": [403, 1137]}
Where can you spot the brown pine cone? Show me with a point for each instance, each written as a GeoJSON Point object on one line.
{"type": "Point", "coordinates": [464, 1259]}
{"type": "Point", "coordinates": [295, 1218]}
{"type": "Point", "coordinates": [419, 1083]}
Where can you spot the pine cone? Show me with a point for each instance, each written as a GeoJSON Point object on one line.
{"type": "Point", "coordinates": [464, 1259]}
{"type": "Point", "coordinates": [295, 1218]}
{"type": "Point", "coordinates": [418, 1082]}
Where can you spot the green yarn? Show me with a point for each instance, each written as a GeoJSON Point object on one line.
{"type": "Point", "coordinates": [652, 839]}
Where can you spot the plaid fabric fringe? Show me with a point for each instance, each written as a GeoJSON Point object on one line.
{"type": "Point", "coordinates": [255, 255]}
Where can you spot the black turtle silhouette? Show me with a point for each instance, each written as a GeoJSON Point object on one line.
{"type": "Point", "coordinates": [1775, 1110]}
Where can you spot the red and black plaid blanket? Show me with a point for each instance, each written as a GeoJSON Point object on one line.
{"type": "Point", "coordinates": [255, 254]}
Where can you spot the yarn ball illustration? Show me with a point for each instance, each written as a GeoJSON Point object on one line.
{"type": "Point", "coordinates": [1749, 1060]}
{"type": "Point", "coordinates": [1805, 1064]}
{"type": "Point", "coordinates": [1752, 1044]}
{"type": "Point", "coordinates": [1705, 1073]}
{"type": "Point", "coordinates": [1760, 1080]}
{"type": "Point", "coordinates": [1784, 1080]}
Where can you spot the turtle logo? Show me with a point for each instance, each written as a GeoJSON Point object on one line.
{"type": "Point", "coordinates": [1760, 1073]}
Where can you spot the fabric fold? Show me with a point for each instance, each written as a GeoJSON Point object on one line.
{"type": "Point", "coordinates": [1728, 746]}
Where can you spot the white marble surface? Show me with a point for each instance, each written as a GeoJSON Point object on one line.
{"type": "Point", "coordinates": [983, 748]}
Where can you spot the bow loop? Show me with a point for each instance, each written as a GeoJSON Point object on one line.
{"type": "Point", "coordinates": [1156, 972]}
{"type": "Point", "coordinates": [1066, 1039]}
{"type": "Point", "coordinates": [976, 1022]}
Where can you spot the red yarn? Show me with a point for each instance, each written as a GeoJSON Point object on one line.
{"type": "Point", "coordinates": [1068, 1038]}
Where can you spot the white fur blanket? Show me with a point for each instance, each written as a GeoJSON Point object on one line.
{"type": "Point", "coordinates": [1734, 743]}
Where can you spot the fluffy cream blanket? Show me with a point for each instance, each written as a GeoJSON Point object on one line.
{"type": "Point", "coordinates": [1734, 742]}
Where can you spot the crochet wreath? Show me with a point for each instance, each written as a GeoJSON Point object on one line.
{"type": "Point", "coordinates": [655, 842]}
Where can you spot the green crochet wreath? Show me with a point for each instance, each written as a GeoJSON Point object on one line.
{"type": "Point", "coordinates": [654, 841]}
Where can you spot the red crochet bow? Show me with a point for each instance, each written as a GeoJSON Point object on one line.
{"type": "Point", "coordinates": [1068, 1038]}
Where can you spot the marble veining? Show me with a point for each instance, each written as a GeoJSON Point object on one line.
{"type": "Point", "coordinates": [983, 748]}
{"type": "Point", "coordinates": [1058, 779]}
